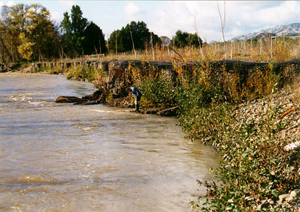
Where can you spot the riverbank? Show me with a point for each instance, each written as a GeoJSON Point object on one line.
{"type": "Point", "coordinates": [248, 115]}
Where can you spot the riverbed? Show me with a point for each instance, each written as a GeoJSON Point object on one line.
{"type": "Point", "coordinates": [64, 157]}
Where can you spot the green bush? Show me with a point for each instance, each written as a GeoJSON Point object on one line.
{"type": "Point", "coordinates": [40, 69]}
{"type": "Point", "coordinates": [158, 91]}
{"type": "Point", "coordinates": [254, 167]}
{"type": "Point", "coordinates": [54, 70]}
{"type": "Point", "coordinates": [81, 73]}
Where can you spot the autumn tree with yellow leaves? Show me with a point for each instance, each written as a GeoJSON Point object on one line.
{"type": "Point", "coordinates": [27, 33]}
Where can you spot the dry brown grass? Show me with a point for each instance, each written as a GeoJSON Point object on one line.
{"type": "Point", "coordinates": [294, 89]}
{"type": "Point", "coordinates": [265, 50]}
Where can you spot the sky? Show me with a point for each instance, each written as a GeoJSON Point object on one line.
{"type": "Point", "coordinates": [164, 18]}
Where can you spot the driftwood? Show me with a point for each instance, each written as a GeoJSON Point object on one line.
{"type": "Point", "coordinates": [69, 99]}
{"type": "Point", "coordinates": [161, 111]}
{"type": "Point", "coordinates": [168, 111]}
{"type": "Point", "coordinates": [96, 98]}
{"type": "Point", "coordinates": [287, 112]}
{"type": "Point", "coordinates": [100, 100]}
{"type": "Point", "coordinates": [292, 146]}
{"type": "Point", "coordinates": [150, 111]}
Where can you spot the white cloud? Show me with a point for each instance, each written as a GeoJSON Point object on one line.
{"type": "Point", "coordinates": [254, 16]}
{"type": "Point", "coordinates": [66, 3]}
{"type": "Point", "coordinates": [242, 17]}
{"type": "Point", "coordinates": [175, 16]}
{"type": "Point", "coordinates": [10, 3]}
{"type": "Point", "coordinates": [56, 16]}
{"type": "Point", "coordinates": [131, 10]}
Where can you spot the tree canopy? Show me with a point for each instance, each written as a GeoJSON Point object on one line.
{"type": "Point", "coordinates": [94, 41]}
{"type": "Point", "coordinates": [80, 36]}
{"type": "Point", "coordinates": [72, 27]}
{"type": "Point", "coordinates": [132, 36]}
{"type": "Point", "coordinates": [183, 39]}
{"type": "Point", "coordinates": [27, 33]}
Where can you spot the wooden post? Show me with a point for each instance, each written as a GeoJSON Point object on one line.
{"type": "Point", "coordinates": [260, 48]}
{"type": "Point", "coordinates": [231, 49]}
{"type": "Point", "coordinates": [251, 47]}
{"type": "Point", "coordinates": [32, 67]}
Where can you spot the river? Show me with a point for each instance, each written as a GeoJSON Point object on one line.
{"type": "Point", "coordinates": [64, 157]}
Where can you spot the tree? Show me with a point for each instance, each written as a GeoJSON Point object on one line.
{"type": "Point", "coordinates": [73, 28]}
{"type": "Point", "coordinates": [180, 39]}
{"type": "Point", "coordinates": [94, 41]}
{"type": "Point", "coordinates": [134, 36]}
{"type": "Point", "coordinates": [27, 32]}
{"type": "Point", "coordinates": [223, 23]}
{"type": "Point", "coordinates": [43, 32]}
{"type": "Point", "coordinates": [183, 39]}
{"type": "Point", "coordinates": [140, 34]}
{"type": "Point", "coordinates": [26, 47]}
{"type": "Point", "coordinates": [66, 38]}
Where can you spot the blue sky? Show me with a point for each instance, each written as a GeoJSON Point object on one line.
{"type": "Point", "coordinates": [164, 18]}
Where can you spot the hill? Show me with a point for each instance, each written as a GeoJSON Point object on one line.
{"type": "Point", "coordinates": [286, 30]}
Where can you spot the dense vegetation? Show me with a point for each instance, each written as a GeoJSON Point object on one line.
{"type": "Point", "coordinates": [27, 34]}
{"type": "Point", "coordinates": [80, 36]}
{"type": "Point", "coordinates": [135, 36]}
{"type": "Point", "coordinates": [254, 169]}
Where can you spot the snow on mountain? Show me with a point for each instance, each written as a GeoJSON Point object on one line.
{"type": "Point", "coordinates": [286, 30]}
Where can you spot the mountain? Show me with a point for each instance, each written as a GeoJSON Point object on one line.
{"type": "Point", "coordinates": [286, 30]}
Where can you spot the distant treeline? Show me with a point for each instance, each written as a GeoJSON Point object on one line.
{"type": "Point", "coordinates": [28, 34]}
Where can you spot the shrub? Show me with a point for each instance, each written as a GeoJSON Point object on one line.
{"type": "Point", "coordinates": [254, 168]}
{"type": "Point", "coordinates": [54, 70]}
{"type": "Point", "coordinates": [81, 73]}
{"type": "Point", "coordinates": [158, 91]}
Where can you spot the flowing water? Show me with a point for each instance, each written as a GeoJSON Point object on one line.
{"type": "Point", "coordinates": [64, 157]}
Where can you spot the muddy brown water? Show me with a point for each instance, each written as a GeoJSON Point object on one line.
{"type": "Point", "coordinates": [63, 157]}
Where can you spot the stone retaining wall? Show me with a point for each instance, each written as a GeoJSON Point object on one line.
{"type": "Point", "coordinates": [119, 74]}
{"type": "Point", "coordinates": [228, 65]}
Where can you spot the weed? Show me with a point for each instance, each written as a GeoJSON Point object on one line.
{"type": "Point", "coordinates": [81, 73]}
